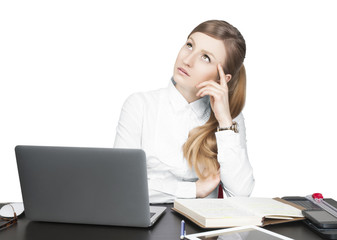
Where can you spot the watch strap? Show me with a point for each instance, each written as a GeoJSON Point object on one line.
{"type": "Point", "coordinates": [233, 127]}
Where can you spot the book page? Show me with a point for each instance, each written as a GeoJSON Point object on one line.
{"type": "Point", "coordinates": [266, 207]}
{"type": "Point", "coordinates": [214, 208]}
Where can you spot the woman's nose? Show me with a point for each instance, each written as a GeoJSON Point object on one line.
{"type": "Point", "coordinates": [188, 60]}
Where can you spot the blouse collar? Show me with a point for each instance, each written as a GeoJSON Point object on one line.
{"type": "Point", "coordinates": [200, 107]}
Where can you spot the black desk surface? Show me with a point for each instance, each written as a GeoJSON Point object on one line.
{"type": "Point", "coordinates": [167, 228]}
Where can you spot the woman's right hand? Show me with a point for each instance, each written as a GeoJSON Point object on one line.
{"type": "Point", "coordinates": [207, 185]}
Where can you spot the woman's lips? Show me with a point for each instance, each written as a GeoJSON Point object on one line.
{"type": "Point", "coordinates": [183, 71]}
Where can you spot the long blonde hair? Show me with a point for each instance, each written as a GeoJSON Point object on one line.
{"type": "Point", "coordinates": [200, 149]}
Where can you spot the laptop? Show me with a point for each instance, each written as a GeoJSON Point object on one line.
{"type": "Point", "coordinates": [105, 186]}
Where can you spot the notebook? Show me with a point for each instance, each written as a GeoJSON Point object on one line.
{"type": "Point", "coordinates": [105, 186]}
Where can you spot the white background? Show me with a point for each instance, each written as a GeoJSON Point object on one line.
{"type": "Point", "coordinates": [66, 68]}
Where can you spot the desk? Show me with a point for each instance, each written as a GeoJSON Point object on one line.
{"type": "Point", "coordinates": [167, 228]}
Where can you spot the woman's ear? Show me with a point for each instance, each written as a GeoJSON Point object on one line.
{"type": "Point", "coordinates": [228, 77]}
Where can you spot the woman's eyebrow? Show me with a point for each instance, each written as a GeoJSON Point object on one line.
{"type": "Point", "coordinates": [203, 50]}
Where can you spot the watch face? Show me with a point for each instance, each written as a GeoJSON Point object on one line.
{"type": "Point", "coordinates": [234, 127]}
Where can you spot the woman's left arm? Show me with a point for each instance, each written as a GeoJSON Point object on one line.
{"type": "Point", "coordinates": [235, 170]}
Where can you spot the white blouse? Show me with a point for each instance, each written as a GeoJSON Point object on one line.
{"type": "Point", "coordinates": [159, 122]}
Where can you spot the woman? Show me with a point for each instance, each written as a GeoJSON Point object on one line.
{"type": "Point", "coordinates": [193, 131]}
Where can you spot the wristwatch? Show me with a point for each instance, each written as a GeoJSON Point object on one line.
{"type": "Point", "coordinates": [234, 128]}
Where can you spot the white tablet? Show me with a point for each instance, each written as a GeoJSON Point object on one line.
{"type": "Point", "coordinates": [238, 233]}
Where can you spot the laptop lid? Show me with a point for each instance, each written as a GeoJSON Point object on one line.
{"type": "Point", "coordinates": [84, 185]}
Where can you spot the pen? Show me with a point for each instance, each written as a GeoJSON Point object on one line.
{"type": "Point", "coordinates": [182, 229]}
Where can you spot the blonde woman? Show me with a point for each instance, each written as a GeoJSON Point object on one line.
{"type": "Point", "coordinates": [193, 131]}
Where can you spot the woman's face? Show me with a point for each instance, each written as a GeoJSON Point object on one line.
{"type": "Point", "coordinates": [197, 61]}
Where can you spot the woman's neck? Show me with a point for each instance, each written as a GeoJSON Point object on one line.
{"type": "Point", "coordinates": [190, 96]}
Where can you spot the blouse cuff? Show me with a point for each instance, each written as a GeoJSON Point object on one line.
{"type": "Point", "coordinates": [227, 139]}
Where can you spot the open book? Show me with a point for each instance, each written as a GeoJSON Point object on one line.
{"type": "Point", "coordinates": [237, 211]}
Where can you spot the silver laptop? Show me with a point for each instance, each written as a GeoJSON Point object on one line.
{"type": "Point", "coordinates": [106, 186]}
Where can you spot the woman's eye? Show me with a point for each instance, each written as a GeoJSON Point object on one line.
{"type": "Point", "coordinates": [189, 45]}
{"type": "Point", "coordinates": [206, 58]}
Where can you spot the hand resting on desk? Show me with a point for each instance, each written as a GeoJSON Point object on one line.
{"type": "Point", "coordinates": [207, 185]}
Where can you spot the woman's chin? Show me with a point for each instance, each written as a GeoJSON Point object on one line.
{"type": "Point", "coordinates": [178, 78]}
